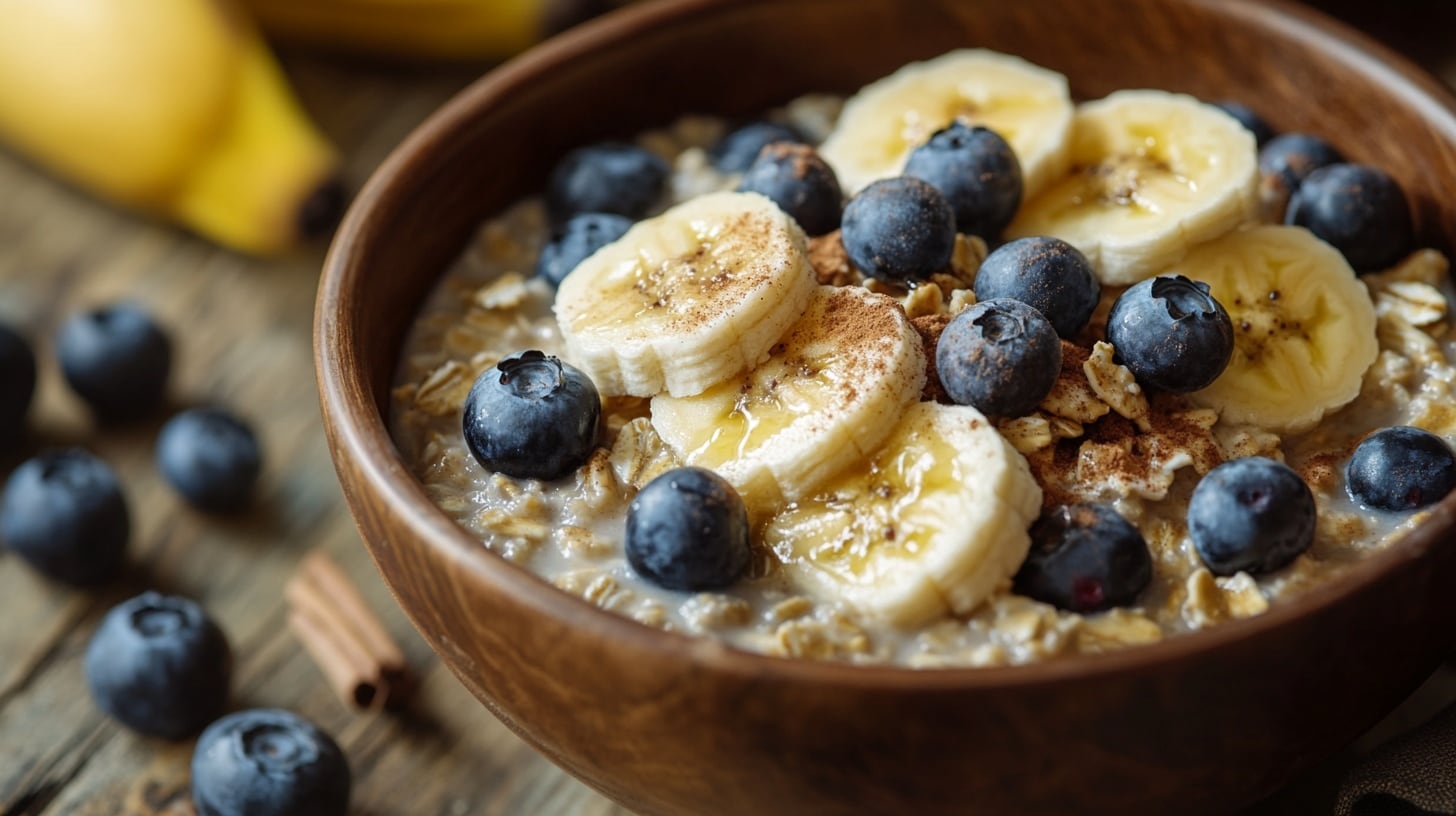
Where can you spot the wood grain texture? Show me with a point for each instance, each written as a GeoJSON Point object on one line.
{"type": "Point", "coordinates": [242, 333]}
{"type": "Point", "coordinates": [667, 724]}
{"type": "Point", "coordinates": [244, 329]}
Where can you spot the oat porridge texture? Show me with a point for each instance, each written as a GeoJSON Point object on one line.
{"type": "Point", "coordinates": [888, 524]}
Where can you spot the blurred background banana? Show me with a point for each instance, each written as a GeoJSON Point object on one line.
{"type": "Point", "coordinates": [430, 29]}
{"type": "Point", "coordinates": [177, 108]}
{"type": "Point", "coordinates": [172, 107]}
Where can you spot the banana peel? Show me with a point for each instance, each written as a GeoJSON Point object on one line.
{"type": "Point", "coordinates": [175, 108]}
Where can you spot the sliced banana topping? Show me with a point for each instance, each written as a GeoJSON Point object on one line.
{"type": "Point", "coordinates": [1153, 174]}
{"type": "Point", "coordinates": [688, 299]}
{"type": "Point", "coordinates": [934, 524]}
{"type": "Point", "coordinates": [830, 392]}
{"type": "Point", "coordinates": [1029, 106]}
{"type": "Point", "coordinates": [1304, 327]}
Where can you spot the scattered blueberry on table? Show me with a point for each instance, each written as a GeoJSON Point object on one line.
{"type": "Point", "coordinates": [899, 229]}
{"type": "Point", "coordinates": [268, 762]}
{"type": "Point", "coordinates": [211, 458]}
{"type": "Point", "coordinates": [1252, 122]}
{"type": "Point", "coordinates": [610, 177]}
{"type": "Point", "coordinates": [1171, 333]}
{"type": "Point", "coordinates": [117, 359]}
{"type": "Point", "coordinates": [1252, 515]}
{"type": "Point", "coordinates": [999, 356]}
{"type": "Point", "coordinates": [1046, 273]}
{"type": "Point", "coordinates": [575, 241]}
{"type": "Point", "coordinates": [17, 383]}
{"type": "Point", "coordinates": [1401, 468]}
{"type": "Point", "coordinates": [800, 182]}
{"type": "Point", "coordinates": [159, 665]}
{"type": "Point", "coordinates": [737, 150]}
{"type": "Point", "coordinates": [1085, 558]}
{"type": "Point", "coordinates": [532, 416]}
{"type": "Point", "coordinates": [688, 530]}
{"type": "Point", "coordinates": [64, 513]}
{"type": "Point", "coordinates": [1357, 209]}
{"type": "Point", "coordinates": [977, 172]}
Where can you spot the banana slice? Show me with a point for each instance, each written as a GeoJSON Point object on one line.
{"type": "Point", "coordinates": [1153, 174]}
{"type": "Point", "coordinates": [1029, 106]}
{"type": "Point", "coordinates": [686, 300]}
{"type": "Point", "coordinates": [830, 392]}
{"type": "Point", "coordinates": [935, 523]}
{"type": "Point", "coordinates": [1304, 327]}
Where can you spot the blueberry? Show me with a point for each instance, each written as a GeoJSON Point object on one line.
{"type": "Point", "coordinates": [532, 416]}
{"type": "Point", "coordinates": [1085, 558]}
{"type": "Point", "coordinates": [605, 178]}
{"type": "Point", "coordinates": [64, 512]}
{"type": "Point", "coordinates": [800, 182]}
{"type": "Point", "coordinates": [1287, 160]}
{"type": "Point", "coordinates": [899, 229]}
{"type": "Point", "coordinates": [1400, 468]}
{"type": "Point", "coordinates": [736, 151]}
{"type": "Point", "coordinates": [1357, 209]}
{"type": "Point", "coordinates": [17, 384]}
{"type": "Point", "coordinates": [977, 172]}
{"type": "Point", "coordinates": [1048, 274]}
{"type": "Point", "coordinates": [577, 240]}
{"type": "Point", "coordinates": [1171, 334]}
{"type": "Point", "coordinates": [268, 762]}
{"type": "Point", "coordinates": [688, 530]}
{"type": "Point", "coordinates": [117, 359]}
{"type": "Point", "coordinates": [1252, 122]}
{"type": "Point", "coordinates": [1252, 515]}
{"type": "Point", "coordinates": [211, 457]}
{"type": "Point", "coordinates": [159, 665]}
{"type": "Point", "coordinates": [1000, 356]}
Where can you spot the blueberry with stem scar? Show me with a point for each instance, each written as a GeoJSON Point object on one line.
{"type": "Point", "coordinates": [532, 416]}
{"type": "Point", "coordinates": [116, 359]}
{"type": "Point", "coordinates": [1171, 333]}
{"type": "Point", "coordinates": [999, 356]}
{"type": "Point", "coordinates": [159, 665]}
{"type": "Point", "coordinates": [268, 762]}
{"type": "Point", "coordinates": [64, 512]}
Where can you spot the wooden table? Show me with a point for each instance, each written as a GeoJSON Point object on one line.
{"type": "Point", "coordinates": [242, 330]}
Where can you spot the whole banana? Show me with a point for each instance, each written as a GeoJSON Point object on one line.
{"type": "Point", "coordinates": [172, 107]}
{"type": "Point", "coordinates": [431, 29]}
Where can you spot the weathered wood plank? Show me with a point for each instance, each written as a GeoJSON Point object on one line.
{"type": "Point", "coordinates": [242, 331]}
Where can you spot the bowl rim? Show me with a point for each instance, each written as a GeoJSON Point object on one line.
{"type": "Point", "coordinates": [358, 429]}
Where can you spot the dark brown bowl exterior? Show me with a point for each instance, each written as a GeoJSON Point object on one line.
{"type": "Point", "coordinates": [671, 725]}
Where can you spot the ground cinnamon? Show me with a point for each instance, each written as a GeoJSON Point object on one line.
{"type": "Point", "coordinates": [345, 639]}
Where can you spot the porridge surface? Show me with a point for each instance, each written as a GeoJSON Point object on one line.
{"type": "Point", "coordinates": [1095, 438]}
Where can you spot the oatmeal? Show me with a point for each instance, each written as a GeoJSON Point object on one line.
{"type": "Point", "coordinates": [888, 524]}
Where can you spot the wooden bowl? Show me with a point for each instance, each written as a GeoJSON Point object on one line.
{"type": "Point", "coordinates": [667, 724]}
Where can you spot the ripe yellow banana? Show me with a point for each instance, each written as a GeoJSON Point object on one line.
{"type": "Point", "coordinates": [172, 107]}
{"type": "Point", "coordinates": [437, 29]}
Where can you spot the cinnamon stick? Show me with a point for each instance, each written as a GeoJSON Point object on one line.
{"type": "Point", "coordinates": [349, 644]}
